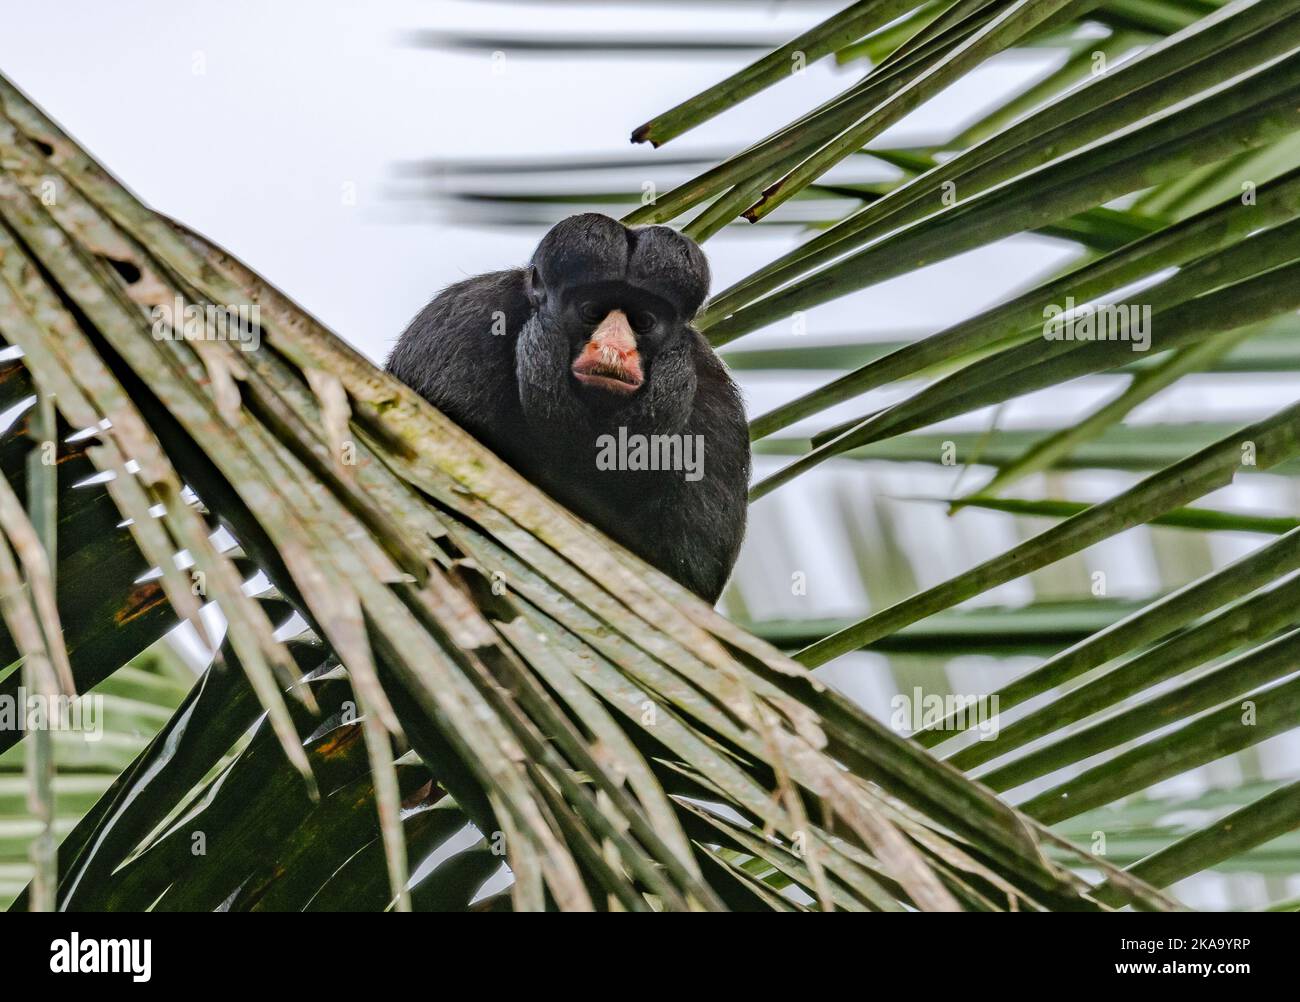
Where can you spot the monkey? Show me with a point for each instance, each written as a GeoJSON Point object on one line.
{"type": "Point", "coordinates": [582, 371]}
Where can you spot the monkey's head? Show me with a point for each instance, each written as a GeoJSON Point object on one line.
{"type": "Point", "coordinates": [610, 337]}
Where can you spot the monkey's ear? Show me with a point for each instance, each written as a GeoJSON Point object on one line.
{"type": "Point", "coordinates": [533, 287]}
{"type": "Point", "coordinates": [672, 264]}
{"type": "Point", "coordinates": [581, 250]}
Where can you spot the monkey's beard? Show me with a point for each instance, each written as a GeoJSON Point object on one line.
{"type": "Point", "coordinates": [556, 409]}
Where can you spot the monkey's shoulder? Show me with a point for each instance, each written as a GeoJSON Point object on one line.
{"type": "Point", "coordinates": [462, 326]}
{"type": "Point", "coordinates": [719, 410]}
{"type": "Point", "coordinates": [494, 304]}
{"type": "Point", "coordinates": [458, 352]}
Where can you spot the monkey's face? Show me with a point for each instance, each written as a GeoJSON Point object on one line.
{"type": "Point", "coordinates": [614, 304]}
{"type": "Point", "coordinates": [614, 332]}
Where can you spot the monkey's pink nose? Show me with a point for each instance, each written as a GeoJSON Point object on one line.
{"type": "Point", "coordinates": [609, 360]}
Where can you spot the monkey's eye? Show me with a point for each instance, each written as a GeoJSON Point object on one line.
{"type": "Point", "coordinates": [643, 321]}
{"type": "Point", "coordinates": [590, 313]}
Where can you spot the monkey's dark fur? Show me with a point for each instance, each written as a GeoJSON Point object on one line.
{"type": "Point", "coordinates": [499, 355]}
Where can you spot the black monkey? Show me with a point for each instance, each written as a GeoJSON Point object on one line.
{"type": "Point", "coordinates": [583, 372]}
